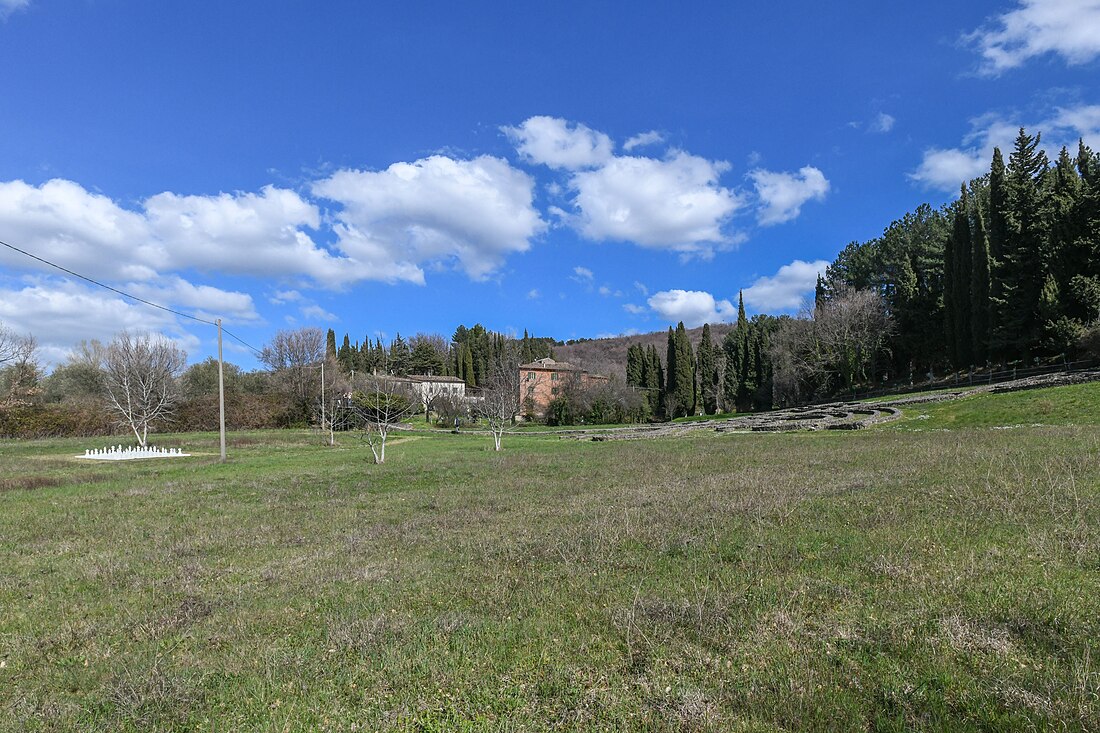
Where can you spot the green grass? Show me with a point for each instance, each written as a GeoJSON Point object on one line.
{"type": "Point", "coordinates": [1077, 404]}
{"type": "Point", "coordinates": [879, 580]}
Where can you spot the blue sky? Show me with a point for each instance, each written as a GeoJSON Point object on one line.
{"type": "Point", "coordinates": [577, 169]}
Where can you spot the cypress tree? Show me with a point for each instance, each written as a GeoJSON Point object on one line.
{"type": "Point", "coordinates": [762, 399]}
{"type": "Point", "coordinates": [399, 356]}
{"type": "Point", "coordinates": [672, 409]}
{"type": "Point", "coordinates": [654, 380]}
{"type": "Point", "coordinates": [950, 321]}
{"type": "Point", "coordinates": [708, 372]}
{"type": "Point", "coordinates": [749, 377]}
{"type": "Point", "coordinates": [960, 281]}
{"type": "Point", "coordinates": [346, 356]}
{"type": "Point", "coordinates": [635, 365]}
{"type": "Point", "coordinates": [979, 285]}
{"type": "Point", "coordinates": [998, 230]}
{"type": "Point", "coordinates": [330, 345]}
{"type": "Point", "coordinates": [685, 372]}
{"type": "Point", "coordinates": [731, 378]}
{"type": "Point", "coordinates": [468, 367]}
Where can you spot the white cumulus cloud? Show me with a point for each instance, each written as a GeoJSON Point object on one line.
{"type": "Point", "coordinates": [945, 169]}
{"type": "Point", "coordinates": [785, 290]}
{"type": "Point", "coordinates": [783, 194]}
{"type": "Point", "coordinates": [1068, 28]}
{"type": "Point", "coordinates": [675, 203]}
{"type": "Point", "coordinates": [556, 143]}
{"type": "Point", "coordinates": [693, 307]}
{"type": "Point", "coordinates": [437, 209]}
{"type": "Point", "coordinates": [61, 313]}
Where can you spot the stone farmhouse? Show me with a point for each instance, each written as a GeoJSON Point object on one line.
{"type": "Point", "coordinates": [428, 387]}
{"type": "Point", "coordinates": [542, 380]}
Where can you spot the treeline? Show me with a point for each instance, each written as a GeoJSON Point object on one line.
{"type": "Point", "coordinates": [1010, 272]}
{"type": "Point", "coordinates": [732, 376]}
{"type": "Point", "coordinates": [468, 355]}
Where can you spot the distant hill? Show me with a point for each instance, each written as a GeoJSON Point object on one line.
{"type": "Point", "coordinates": [608, 355]}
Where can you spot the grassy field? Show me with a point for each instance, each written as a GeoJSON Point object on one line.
{"type": "Point", "coordinates": [932, 574]}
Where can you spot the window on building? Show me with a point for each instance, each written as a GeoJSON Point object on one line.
{"type": "Point", "coordinates": [554, 376]}
{"type": "Point", "coordinates": [553, 390]}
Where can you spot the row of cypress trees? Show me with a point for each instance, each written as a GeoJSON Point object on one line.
{"type": "Point", "coordinates": [733, 375]}
{"type": "Point", "coordinates": [467, 356]}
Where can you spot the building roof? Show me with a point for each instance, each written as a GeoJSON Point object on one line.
{"type": "Point", "coordinates": [550, 365]}
{"type": "Point", "coordinates": [437, 379]}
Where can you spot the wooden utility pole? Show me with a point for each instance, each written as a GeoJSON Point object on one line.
{"type": "Point", "coordinates": [221, 393]}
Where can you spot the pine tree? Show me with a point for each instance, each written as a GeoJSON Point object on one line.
{"type": "Point", "coordinates": [424, 359]}
{"type": "Point", "coordinates": [1025, 268]}
{"type": "Point", "coordinates": [998, 233]}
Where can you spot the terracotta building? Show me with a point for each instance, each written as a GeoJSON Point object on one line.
{"type": "Point", "coordinates": [544, 379]}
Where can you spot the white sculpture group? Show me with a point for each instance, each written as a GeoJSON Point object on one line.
{"type": "Point", "coordinates": [119, 453]}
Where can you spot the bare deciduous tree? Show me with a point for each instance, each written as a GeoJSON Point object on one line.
{"type": "Point", "coordinates": [294, 357]}
{"type": "Point", "coordinates": [334, 388]}
{"type": "Point", "coordinates": [381, 403]}
{"type": "Point", "coordinates": [14, 347]}
{"type": "Point", "coordinates": [833, 346]}
{"type": "Point", "coordinates": [140, 378]}
{"type": "Point", "coordinates": [499, 401]}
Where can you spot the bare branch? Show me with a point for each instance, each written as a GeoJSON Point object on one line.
{"type": "Point", "coordinates": [499, 401]}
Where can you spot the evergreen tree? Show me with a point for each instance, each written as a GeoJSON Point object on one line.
{"type": "Point", "coordinates": [1024, 269]}
{"type": "Point", "coordinates": [635, 365]}
{"type": "Point", "coordinates": [345, 355]}
{"type": "Point", "coordinates": [654, 380]}
{"type": "Point", "coordinates": [398, 362]}
{"type": "Point", "coordinates": [670, 394]}
{"type": "Point", "coordinates": [708, 372]}
{"type": "Point", "coordinates": [762, 330]}
{"type": "Point", "coordinates": [424, 359]}
{"type": "Point", "coordinates": [330, 345]}
{"type": "Point", "coordinates": [685, 372]}
{"type": "Point", "coordinates": [731, 378]}
{"type": "Point", "coordinates": [960, 282]}
{"type": "Point", "coordinates": [998, 233]}
{"type": "Point", "coordinates": [979, 285]}
{"type": "Point", "coordinates": [468, 367]}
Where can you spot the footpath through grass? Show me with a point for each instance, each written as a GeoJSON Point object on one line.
{"type": "Point", "coordinates": [886, 579]}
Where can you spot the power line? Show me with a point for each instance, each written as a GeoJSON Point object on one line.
{"type": "Point", "coordinates": [128, 295]}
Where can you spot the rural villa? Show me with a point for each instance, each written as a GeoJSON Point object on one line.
{"type": "Point", "coordinates": [543, 379]}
